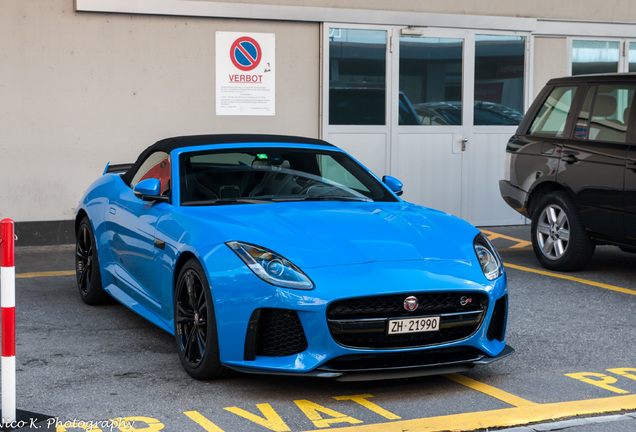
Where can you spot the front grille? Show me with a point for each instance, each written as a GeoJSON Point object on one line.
{"type": "Point", "coordinates": [362, 322]}
{"type": "Point", "coordinates": [393, 305]}
{"type": "Point", "coordinates": [274, 333]}
{"type": "Point", "coordinates": [365, 362]}
{"type": "Point", "coordinates": [497, 327]}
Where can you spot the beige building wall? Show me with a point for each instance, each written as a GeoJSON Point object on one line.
{"type": "Point", "coordinates": [550, 60]}
{"type": "Point", "coordinates": [80, 89]}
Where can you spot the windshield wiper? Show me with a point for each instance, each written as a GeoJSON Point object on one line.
{"type": "Point", "coordinates": [324, 198]}
{"type": "Point", "coordinates": [226, 201]}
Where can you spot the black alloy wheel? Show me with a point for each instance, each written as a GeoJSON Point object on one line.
{"type": "Point", "coordinates": [89, 282]}
{"type": "Point", "coordinates": [559, 238]}
{"type": "Point", "coordinates": [195, 324]}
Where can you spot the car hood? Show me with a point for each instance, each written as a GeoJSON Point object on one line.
{"type": "Point", "coordinates": [318, 234]}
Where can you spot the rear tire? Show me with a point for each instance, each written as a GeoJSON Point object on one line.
{"type": "Point", "coordinates": [195, 324]}
{"type": "Point", "coordinates": [559, 238]}
{"type": "Point", "coordinates": [89, 280]}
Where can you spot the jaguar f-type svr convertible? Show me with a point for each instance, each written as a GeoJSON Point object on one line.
{"type": "Point", "coordinates": [284, 255]}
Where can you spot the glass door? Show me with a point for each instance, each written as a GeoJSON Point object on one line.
{"type": "Point", "coordinates": [430, 138]}
{"type": "Point", "coordinates": [500, 95]}
{"type": "Point", "coordinates": [432, 107]}
{"type": "Point", "coordinates": [356, 109]}
{"type": "Point", "coordinates": [467, 91]}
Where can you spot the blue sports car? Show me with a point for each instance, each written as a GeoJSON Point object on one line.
{"type": "Point", "coordinates": [283, 255]}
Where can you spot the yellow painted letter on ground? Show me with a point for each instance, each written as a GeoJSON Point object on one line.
{"type": "Point", "coordinates": [597, 379]}
{"type": "Point", "coordinates": [271, 420]}
{"type": "Point", "coordinates": [362, 400]}
{"type": "Point", "coordinates": [312, 411]}
{"type": "Point", "coordinates": [138, 424]}
{"type": "Point", "coordinates": [624, 372]}
{"type": "Point", "coordinates": [203, 422]}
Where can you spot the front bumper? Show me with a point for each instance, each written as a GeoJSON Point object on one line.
{"type": "Point", "coordinates": [370, 373]}
{"type": "Point", "coordinates": [241, 314]}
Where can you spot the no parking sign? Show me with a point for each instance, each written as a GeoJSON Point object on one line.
{"type": "Point", "coordinates": [246, 53]}
{"type": "Point", "coordinates": [245, 73]}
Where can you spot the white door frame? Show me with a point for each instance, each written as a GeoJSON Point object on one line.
{"type": "Point", "coordinates": [392, 131]}
{"type": "Point", "coordinates": [327, 130]}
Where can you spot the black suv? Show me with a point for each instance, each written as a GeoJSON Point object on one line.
{"type": "Point", "coordinates": [571, 168]}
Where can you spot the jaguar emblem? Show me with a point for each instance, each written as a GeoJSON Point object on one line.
{"type": "Point", "coordinates": [410, 303]}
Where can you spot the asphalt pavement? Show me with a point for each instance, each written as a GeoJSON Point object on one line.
{"type": "Point", "coordinates": [77, 363]}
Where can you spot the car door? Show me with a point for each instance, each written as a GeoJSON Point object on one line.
{"type": "Point", "coordinates": [132, 222]}
{"type": "Point", "coordinates": [630, 197]}
{"type": "Point", "coordinates": [592, 161]}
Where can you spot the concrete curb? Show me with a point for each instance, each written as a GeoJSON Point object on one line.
{"type": "Point", "coordinates": [561, 425]}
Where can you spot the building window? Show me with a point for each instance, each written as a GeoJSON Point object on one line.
{"type": "Point", "coordinates": [499, 79]}
{"type": "Point", "coordinates": [593, 56]}
{"type": "Point", "coordinates": [357, 77]}
{"type": "Point", "coordinates": [430, 81]}
{"type": "Point", "coordinates": [632, 56]}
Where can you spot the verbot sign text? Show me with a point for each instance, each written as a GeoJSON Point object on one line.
{"type": "Point", "coordinates": [245, 74]}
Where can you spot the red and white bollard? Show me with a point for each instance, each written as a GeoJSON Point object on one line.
{"type": "Point", "coordinates": [7, 303]}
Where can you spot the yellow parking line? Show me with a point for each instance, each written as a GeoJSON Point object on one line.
{"type": "Point", "coordinates": [45, 274]}
{"type": "Point", "coordinates": [520, 243]}
{"type": "Point", "coordinates": [506, 417]}
{"type": "Point", "coordinates": [489, 390]}
{"type": "Point", "coordinates": [571, 278]}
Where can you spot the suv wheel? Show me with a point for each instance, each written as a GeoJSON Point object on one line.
{"type": "Point", "coordinates": [559, 239]}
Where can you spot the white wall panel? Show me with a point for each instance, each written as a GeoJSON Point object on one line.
{"type": "Point", "coordinates": [368, 148]}
{"type": "Point", "coordinates": [430, 170]}
{"type": "Point", "coordinates": [484, 167]}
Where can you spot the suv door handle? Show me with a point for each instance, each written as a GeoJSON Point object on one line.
{"type": "Point", "coordinates": [569, 159]}
{"type": "Point", "coordinates": [631, 165]}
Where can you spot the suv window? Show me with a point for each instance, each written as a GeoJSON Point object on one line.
{"type": "Point", "coordinates": [552, 116]}
{"type": "Point", "coordinates": [609, 106]}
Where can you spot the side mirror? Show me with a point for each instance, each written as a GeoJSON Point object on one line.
{"type": "Point", "coordinates": [394, 184]}
{"type": "Point", "coordinates": [150, 190]}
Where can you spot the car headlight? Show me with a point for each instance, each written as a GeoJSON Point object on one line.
{"type": "Point", "coordinates": [488, 257]}
{"type": "Point", "coordinates": [271, 267]}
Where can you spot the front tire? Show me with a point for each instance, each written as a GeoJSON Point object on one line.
{"type": "Point", "coordinates": [88, 276]}
{"type": "Point", "coordinates": [195, 324]}
{"type": "Point", "coordinates": [559, 239]}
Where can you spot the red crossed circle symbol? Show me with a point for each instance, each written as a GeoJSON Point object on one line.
{"type": "Point", "coordinates": [245, 53]}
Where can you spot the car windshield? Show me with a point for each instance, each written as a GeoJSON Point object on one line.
{"type": "Point", "coordinates": [257, 175]}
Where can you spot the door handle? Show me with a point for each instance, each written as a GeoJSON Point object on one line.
{"type": "Point", "coordinates": [631, 165]}
{"type": "Point", "coordinates": [464, 141]}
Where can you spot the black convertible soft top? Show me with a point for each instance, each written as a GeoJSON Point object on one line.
{"type": "Point", "coordinates": [169, 144]}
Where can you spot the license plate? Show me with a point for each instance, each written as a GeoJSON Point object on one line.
{"type": "Point", "coordinates": [413, 325]}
